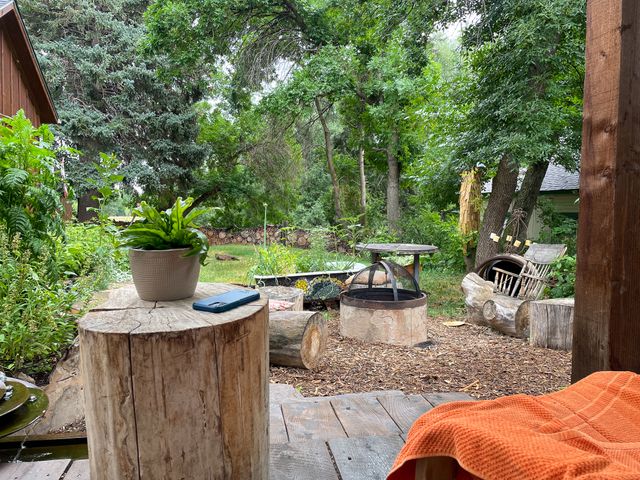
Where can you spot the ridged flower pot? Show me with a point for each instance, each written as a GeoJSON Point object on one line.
{"type": "Point", "coordinates": [164, 275]}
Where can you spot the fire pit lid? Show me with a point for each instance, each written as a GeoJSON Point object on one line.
{"type": "Point", "coordinates": [384, 280]}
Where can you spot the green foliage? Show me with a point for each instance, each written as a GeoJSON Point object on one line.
{"type": "Point", "coordinates": [424, 226]}
{"type": "Point", "coordinates": [29, 183]}
{"type": "Point", "coordinates": [175, 227]}
{"type": "Point", "coordinates": [36, 324]}
{"type": "Point", "coordinates": [557, 228]}
{"type": "Point", "coordinates": [275, 259]}
{"type": "Point", "coordinates": [526, 62]}
{"type": "Point", "coordinates": [563, 277]}
{"type": "Point", "coordinates": [110, 98]}
{"type": "Point", "coordinates": [92, 251]}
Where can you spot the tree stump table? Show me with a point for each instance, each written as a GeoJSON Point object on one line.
{"type": "Point", "coordinates": [174, 393]}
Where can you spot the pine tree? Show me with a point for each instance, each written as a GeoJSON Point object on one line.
{"type": "Point", "coordinates": [111, 98]}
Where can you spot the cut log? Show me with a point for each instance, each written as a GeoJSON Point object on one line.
{"type": "Point", "coordinates": [551, 324]}
{"type": "Point", "coordinates": [287, 294]}
{"type": "Point", "coordinates": [476, 293]}
{"type": "Point", "coordinates": [172, 392]}
{"type": "Point", "coordinates": [522, 320]}
{"type": "Point", "coordinates": [297, 339]}
{"type": "Point", "coordinates": [500, 313]}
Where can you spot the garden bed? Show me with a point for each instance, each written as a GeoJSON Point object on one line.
{"type": "Point", "coordinates": [468, 358]}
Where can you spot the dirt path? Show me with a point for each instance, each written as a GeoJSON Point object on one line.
{"type": "Point", "coordinates": [473, 359]}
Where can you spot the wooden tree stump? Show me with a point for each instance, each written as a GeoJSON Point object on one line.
{"type": "Point", "coordinates": [174, 393]}
{"type": "Point", "coordinates": [476, 293]}
{"type": "Point", "coordinates": [287, 294]}
{"type": "Point", "coordinates": [297, 339]}
{"type": "Point", "coordinates": [551, 323]}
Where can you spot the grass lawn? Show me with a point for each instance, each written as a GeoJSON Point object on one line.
{"type": "Point", "coordinates": [230, 271]}
{"type": "Point", "coordinates": [445, 296]}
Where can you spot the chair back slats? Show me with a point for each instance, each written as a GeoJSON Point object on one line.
{"type": "Point", "coordinates": [530, 282]}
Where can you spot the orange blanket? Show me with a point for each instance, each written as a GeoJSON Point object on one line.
{"type": "Point", "coordinates": [590, 430]}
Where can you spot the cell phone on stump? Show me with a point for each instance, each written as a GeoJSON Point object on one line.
{"type": "Point", "coordinates": [226, 301]}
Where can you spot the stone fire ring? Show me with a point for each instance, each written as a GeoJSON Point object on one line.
{"type": "Point", "coordinates": [380, 321]}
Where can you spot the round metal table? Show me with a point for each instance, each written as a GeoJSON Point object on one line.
{"type": "Point", "coordinates": [377, 249]}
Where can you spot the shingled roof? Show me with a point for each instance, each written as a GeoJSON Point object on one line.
{"type": "Point", "coordinates": [557, 179]}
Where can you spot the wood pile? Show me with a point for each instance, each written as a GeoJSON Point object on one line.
{"type": "Point", "coordinates": [545, 323]}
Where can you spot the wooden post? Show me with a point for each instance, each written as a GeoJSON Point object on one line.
{"type": "Point", "coordinates": [171, 392]}
{"type": "Point", "coordinates": [607, 301]}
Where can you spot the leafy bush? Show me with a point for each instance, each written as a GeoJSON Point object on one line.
{"type": "Point", "coordinates": [428, 227]}
{"type": "Point", "coordinates": [563, 277]}
{"type": "Point", "coordinates": [92, 250]}
{"type": "Point", "coordinates": [558, 228]}
{"type": "Point", "coordinates": [275, 259]}
{"type": "Point", "coordinates": [37, 323]}
{"type": "Point", "coordinates": [172, 228]}
{"type": "Point", "coordinates": [29, 196]}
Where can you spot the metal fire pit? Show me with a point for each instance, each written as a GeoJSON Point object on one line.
{"type": "Point", "coordinates": [384, 304]}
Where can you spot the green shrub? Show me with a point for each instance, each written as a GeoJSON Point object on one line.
{"type": "Point", "coordinates": [558, 228]}
{"type": "Point", "coordinates": [92, 250]}
{"type": "Point", "coordinates": [275, 259]}
{"type": "Point", "coordinates": [37, 323]}
{"type": "Point", "coordinates": [563, 277]}
{"type": "Point", "coordinates": [428, 227]}
{"type": "Point", "coordinates": [29, 196]}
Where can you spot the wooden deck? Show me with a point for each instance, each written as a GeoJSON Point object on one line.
{"type": "Point", "coordinates": [348, 437]}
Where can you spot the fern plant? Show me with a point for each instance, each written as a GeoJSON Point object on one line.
{"type": "Point", "coordinates": [29, 183]}
{"type": "Point", "coordinates": [175, 227]}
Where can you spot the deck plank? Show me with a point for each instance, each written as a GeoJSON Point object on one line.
{"type": "Point", "coordinates": [277, 430]}
{"type": "Point", "coordinates": [405, 409]}
{"type": "Point", "coordinates": [45, 470]}
{"type": "Point", "coordinates": [365, 457]}
{"type": "Point", "coordinates": [79, 470]}
{"type": "Point", "coordinates": [301, 460]}
{"type": "Point", "coordinates": [311, 421]}
{"type": "Point", "coordinates": [436, 399]}
{"type": "Point", "coordinates": [364, 416]}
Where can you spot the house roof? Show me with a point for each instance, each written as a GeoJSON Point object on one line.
{"type": "Point", "coordinates": [556, 179]}
{"type": "Point", "coordinates": [11, 22]}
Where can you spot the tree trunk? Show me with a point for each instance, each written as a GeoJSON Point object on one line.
{"type": "Point", "coordinates": [393, 184]}
{"type": "Point", "coordinates": [469, 221]}
{"type": "Point", "coordinates": [297, 339]}
{"type": "Point", "coordinates": [528, 195]}
{"type": "Point", "coordinates": [332, 170]}
{"type": "Point", "coordinates": [363, 184]}
{"type": "Point", "coordinates": [85, 202]}
{"type": "Point", "coordinates": [172, 393]}
{"type": "Point", "coordinates": [503, 188]}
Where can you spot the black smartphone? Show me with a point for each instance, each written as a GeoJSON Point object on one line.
{"type": "Point", "coordinates": [226, 301]}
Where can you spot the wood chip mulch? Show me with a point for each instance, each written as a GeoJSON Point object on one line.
{"type": "Point", "coordinates": [468, 358]}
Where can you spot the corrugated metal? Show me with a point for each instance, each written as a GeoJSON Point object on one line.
{"type": "Point", "coordinates": [15, 93]}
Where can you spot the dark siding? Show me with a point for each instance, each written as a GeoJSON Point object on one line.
{"type": "Point", "coordinates": [15, 93]}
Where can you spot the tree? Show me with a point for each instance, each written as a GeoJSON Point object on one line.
{"type": "Point", "coordinates": [526, 60]}
{"type": "Point", "coordinates": [316, 38]}
{"type": "Point", "coordinates": [111, 99]}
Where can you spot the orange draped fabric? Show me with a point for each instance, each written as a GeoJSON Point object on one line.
{"type": "Point", "coordinates": [590, 430]}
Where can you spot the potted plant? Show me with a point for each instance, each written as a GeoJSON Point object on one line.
{"type": "Point", "coordinates": [166, 250]}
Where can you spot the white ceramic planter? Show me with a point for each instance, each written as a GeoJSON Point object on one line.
{"type": "Point", "coordinates": [164, 275]}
